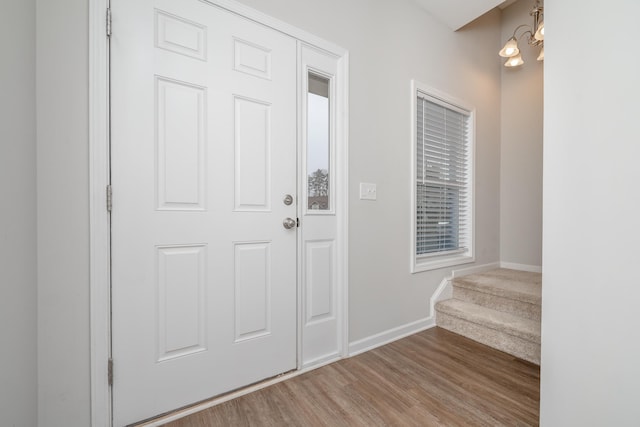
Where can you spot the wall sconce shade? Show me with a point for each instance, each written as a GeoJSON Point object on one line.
{"type": "Point", "coordinates": [514, 61]}
{"type": "Point", "coordinates": [510, 48]}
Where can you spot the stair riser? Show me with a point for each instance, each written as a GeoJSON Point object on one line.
{"type": "Point", "coordinates": [515, 346]}
{"type": "Point", "coordinates": [518, 308]}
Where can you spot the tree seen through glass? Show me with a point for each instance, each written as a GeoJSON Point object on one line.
{"type": "Point", "coordinates": [318, 143]}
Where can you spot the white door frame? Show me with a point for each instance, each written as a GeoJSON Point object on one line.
{"type": "Point", "coordinates": [99, 176]}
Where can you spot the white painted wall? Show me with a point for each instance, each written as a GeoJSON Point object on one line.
{"type": "Point", "coordinates": [18, 374]}
{"type": "Point", "coordinates": [391, 42]}
{"type": "Point", "coordinates": [521, 148]}
{"type": "Point", "coordinates": [63, 213]}
{"type": "Point", "coordinates": [590, 293]}
{"type": "Point", "coordinates": [458, 13]}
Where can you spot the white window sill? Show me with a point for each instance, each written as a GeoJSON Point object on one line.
{"type": "Point", "coordinates": [420, 264]}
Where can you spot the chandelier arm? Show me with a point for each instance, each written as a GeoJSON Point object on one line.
{"type": "Point", "coordinates": [518, 27]}
{"type": "Point", "coordinates": [531, 40]}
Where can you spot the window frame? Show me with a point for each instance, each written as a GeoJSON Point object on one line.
{"type": "Point", "coordinates": [447, 258]}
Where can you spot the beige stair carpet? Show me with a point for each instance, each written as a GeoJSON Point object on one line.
{"type": "Point", "coordinates": [500, 308]}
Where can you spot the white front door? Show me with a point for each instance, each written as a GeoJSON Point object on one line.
{"type": "Point", "coordinates": [203, 153]}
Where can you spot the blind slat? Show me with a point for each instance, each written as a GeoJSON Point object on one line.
{"type": "Point", "coordinates": [442, 214]}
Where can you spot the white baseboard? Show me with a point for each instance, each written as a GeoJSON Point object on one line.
{"type": "Point", "coordinates": [443, 292]}
{"type": "Point", "coordinates": [521, 267]}
{"type": "Point", "coordinates": [475, 269]}
{"type": "Point", "coordinates": [445, 289]}
{"type": "Point", "coordinates": [320, 361]}
{"type": "Point", "coordinates": [390, 335]}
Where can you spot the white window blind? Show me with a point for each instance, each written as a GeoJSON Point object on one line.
{"type": "Point", "coordinates": [443, 221]}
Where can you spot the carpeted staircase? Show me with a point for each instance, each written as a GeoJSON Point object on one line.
{"type": "Point", "coordinates": [499, 308]}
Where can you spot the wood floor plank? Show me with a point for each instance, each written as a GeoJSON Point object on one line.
{"type": "Point", "coordinates": [433, 378]}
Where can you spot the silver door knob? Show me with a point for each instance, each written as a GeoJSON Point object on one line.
{"type": "Point", "coordinates": [289, 223]}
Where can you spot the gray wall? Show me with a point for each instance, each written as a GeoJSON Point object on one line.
{"type": "Point", "coordinates": [63, 213]}
{"type": "Point", "coordinates": [391, 42]}
{"type": "Point", "coordinates": [591, 290]}
{"type": "Point", "coordinates": [18, 373]}
{"type": "Point", "coordinates": [521, 148]}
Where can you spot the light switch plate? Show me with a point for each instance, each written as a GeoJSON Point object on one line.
{"type": "Point", "coordinates": [368, 191]}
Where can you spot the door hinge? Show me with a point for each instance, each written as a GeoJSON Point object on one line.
{"type": "Point", "coordinates": [108, 22]}
{"type": "Point", "coordinates": [297, 222]}
{"type": "Point", "coordinates": [109, 198]}
{"type": "Point", "coordinates": [110, 371]}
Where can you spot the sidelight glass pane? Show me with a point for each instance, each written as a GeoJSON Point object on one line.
{"type": "Point", "coordinates": [318, 143]}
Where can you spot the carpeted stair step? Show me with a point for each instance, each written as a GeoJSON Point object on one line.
{"type": "Point", "coordinates": [509, 291]}
{"type": "Point", "coordinates": [504, 331]}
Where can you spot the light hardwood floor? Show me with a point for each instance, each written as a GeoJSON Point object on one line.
{"type": "Point", "coordinates": [433, 378]}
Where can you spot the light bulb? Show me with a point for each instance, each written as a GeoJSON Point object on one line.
{"type": "Point", "coordinates": [514, 61]}
{"type": "Point", "coordinates": [539, 35]}
{"type": "Point", "coordinates": [510, 48]}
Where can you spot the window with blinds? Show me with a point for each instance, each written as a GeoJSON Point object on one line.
{"type": "Point", "coordinates": [442, 195]}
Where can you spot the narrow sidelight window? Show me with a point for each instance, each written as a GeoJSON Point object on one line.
{"type": "Point", "coordinates": [318, 144]}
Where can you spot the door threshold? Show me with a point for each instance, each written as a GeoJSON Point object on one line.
{"type": "Point", "coordinates": [214, 401]}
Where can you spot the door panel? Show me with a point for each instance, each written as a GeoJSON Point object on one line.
{"type": "Point", "coordinates": [203, 151]}
{"type": "Point", "coordinates": [321, 326]}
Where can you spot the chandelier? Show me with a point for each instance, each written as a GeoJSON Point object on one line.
{"type": "Point", "coordinates": [534, 36]}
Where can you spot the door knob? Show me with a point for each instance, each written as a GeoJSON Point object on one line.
{"type": "Point", "coordinates": [289, 223]}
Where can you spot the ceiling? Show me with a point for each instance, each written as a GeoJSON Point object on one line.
{"type": "Point", "coordinates": [458, 13]}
